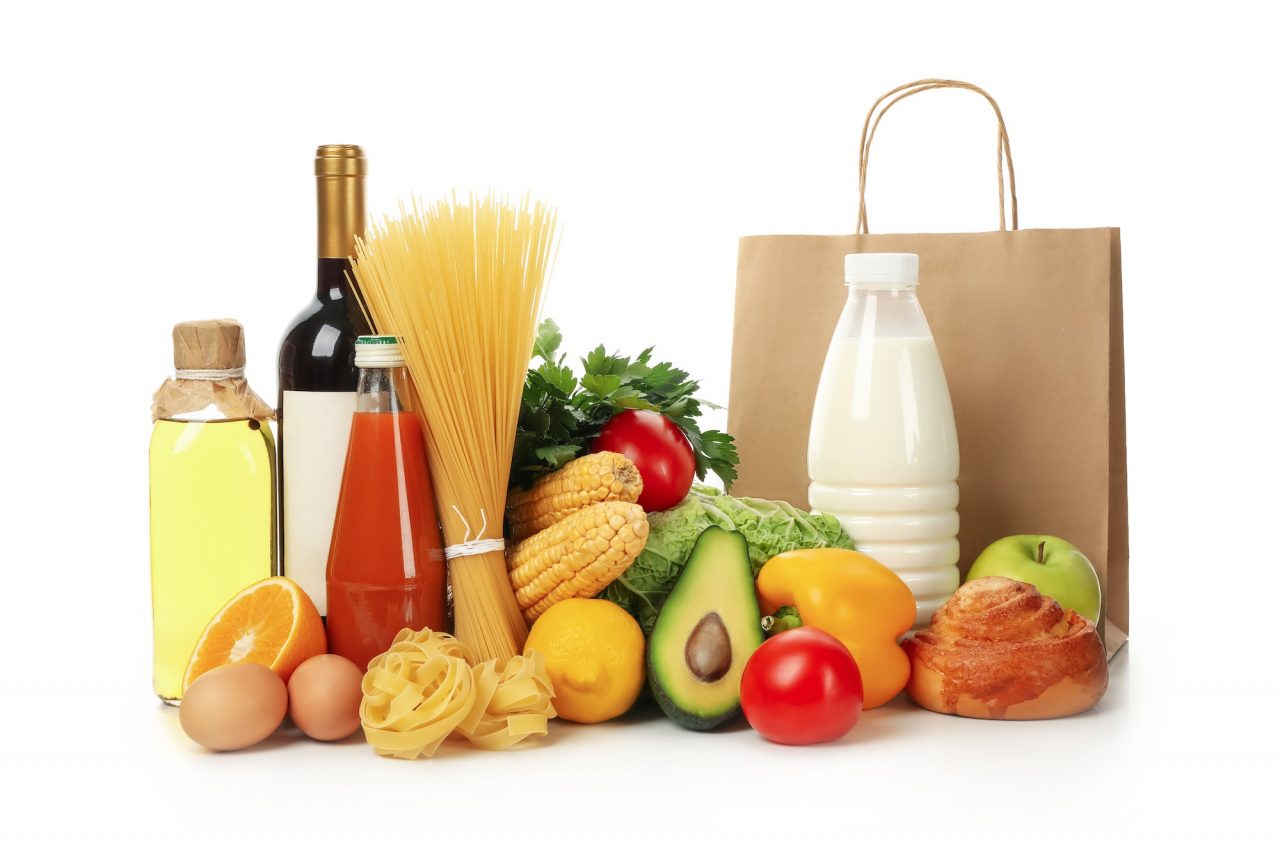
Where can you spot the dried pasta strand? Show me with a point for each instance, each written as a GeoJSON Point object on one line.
{"type": "Point", "coordinates": [486, 680]}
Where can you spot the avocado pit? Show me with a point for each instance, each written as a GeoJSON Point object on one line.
{"type": "Point", "coordinates": [708, 653]}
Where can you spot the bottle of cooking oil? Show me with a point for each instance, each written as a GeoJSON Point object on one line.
{"type": "Point", "coordinates": [213, 492]}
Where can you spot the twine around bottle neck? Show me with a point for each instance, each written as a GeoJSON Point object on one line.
{"type": "Point", "coordinates": [210, 375]}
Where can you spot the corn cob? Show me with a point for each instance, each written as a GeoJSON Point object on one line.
{"type": "Point", "coordinates": [593, 479]}
{"type": "Point", "coordinates": [577, 556]}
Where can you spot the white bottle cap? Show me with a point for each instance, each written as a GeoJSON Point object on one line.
{"type": "Point", "coordinates": [882, 268]}
{"type": "Point", "coordinates": [378, 351]}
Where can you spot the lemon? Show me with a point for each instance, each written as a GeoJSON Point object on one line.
{"type": "Point", "coordinates": [595, 657]}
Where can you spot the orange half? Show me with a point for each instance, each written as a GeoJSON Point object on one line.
{"type": "Point", "coordinates": [273, 622]}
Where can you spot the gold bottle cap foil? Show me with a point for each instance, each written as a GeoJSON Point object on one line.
{"type": "Point", "coordinates": [340, 171]}
{"type": "Point", "coordinates": [339, 160]}
{"type": "Point", "coordinates": [208, 345]}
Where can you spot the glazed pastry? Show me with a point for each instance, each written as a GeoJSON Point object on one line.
{"type": "Point", "coordinates": [1000, 650]}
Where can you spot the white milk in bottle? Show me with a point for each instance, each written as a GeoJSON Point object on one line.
{"type": "Point", "coordinates": [883, 456]}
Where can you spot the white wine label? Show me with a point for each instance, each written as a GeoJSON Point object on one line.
{"type": "Point", "coordinates": [314, 430]}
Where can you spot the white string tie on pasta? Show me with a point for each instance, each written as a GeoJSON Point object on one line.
{"type": "Point", "coordinates": [212, 375]}
{"type": "Point", "coordinates": [470, 546]}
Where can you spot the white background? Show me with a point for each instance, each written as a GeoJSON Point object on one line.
{"type": "Point", "coordinates": [157, 167]}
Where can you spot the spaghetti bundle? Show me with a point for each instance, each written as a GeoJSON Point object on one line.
{"type": "Point", "coordinates": [462, 283]}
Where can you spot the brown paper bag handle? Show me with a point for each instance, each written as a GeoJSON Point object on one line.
{"type": "Point", "coordinates": [1003, 154]}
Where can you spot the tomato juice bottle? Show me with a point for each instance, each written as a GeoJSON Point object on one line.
{"type": "Point", "coordinates": [386, 568]}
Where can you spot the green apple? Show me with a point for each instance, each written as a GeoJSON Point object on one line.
{"type": "Point", "coordinates": [1052, 565]}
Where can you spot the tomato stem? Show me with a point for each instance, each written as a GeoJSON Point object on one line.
{"type": "Point", "coordinates": [784, 620]}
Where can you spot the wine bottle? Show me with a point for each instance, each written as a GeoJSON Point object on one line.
{"type": "Point", "coordinates": [318, 377]}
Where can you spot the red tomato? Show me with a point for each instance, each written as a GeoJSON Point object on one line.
{"type": "Point", "coordinates": [802, 686]}
{"type": "Point", "coordinates": [659, 449]}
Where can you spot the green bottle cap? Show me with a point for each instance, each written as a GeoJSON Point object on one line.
{"type": "Point", "coordinates": [378, 351]}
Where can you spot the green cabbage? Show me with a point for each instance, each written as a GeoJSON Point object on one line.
{"type": "Point", "coordinates": [770, 527]}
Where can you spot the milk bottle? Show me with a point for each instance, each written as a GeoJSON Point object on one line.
{"type": "Point", "coordinates": [883, 456]}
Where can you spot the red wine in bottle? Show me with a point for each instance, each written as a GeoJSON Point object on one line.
{"type": "Point", "coordinates": [318, 377]}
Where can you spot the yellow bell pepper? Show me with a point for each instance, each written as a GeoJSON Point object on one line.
{"type": "Point", "coordinates": [853, 598]}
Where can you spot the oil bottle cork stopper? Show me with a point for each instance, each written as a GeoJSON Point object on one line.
{"type": "Point", "coordinates": [208, 345]}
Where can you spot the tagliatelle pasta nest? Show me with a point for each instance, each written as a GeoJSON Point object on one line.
{"type": "Point", "coordinates": [511, 704]}
{"type": "Point", "coordinates": [427, 687]}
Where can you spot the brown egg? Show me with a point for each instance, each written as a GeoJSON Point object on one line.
{"type": "Point", "coordinates": [324, 697]}
{"type": "Point", "coordinates": [233, 706]}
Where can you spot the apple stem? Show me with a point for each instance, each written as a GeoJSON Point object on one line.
{"type": "Point", "coordinates": [1040, 555]}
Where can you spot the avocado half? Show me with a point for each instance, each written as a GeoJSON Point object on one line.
{"type": "Point", "coordinates": [706, 630]}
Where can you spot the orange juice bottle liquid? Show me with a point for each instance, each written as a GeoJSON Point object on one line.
{"type": "Point", "coordinates": [212, 473]}
{"type": "Point", "coordinates": [386, 567]}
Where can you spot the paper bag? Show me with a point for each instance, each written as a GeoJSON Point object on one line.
{"type": "Point", "coordinates": [1028, 325]}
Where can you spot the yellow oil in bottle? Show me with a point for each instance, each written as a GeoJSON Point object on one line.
{"type": "Point", "coordinates": [212, 529]}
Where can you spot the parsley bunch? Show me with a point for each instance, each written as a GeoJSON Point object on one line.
{"type": "Point", "coordinates": [561, 414]}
